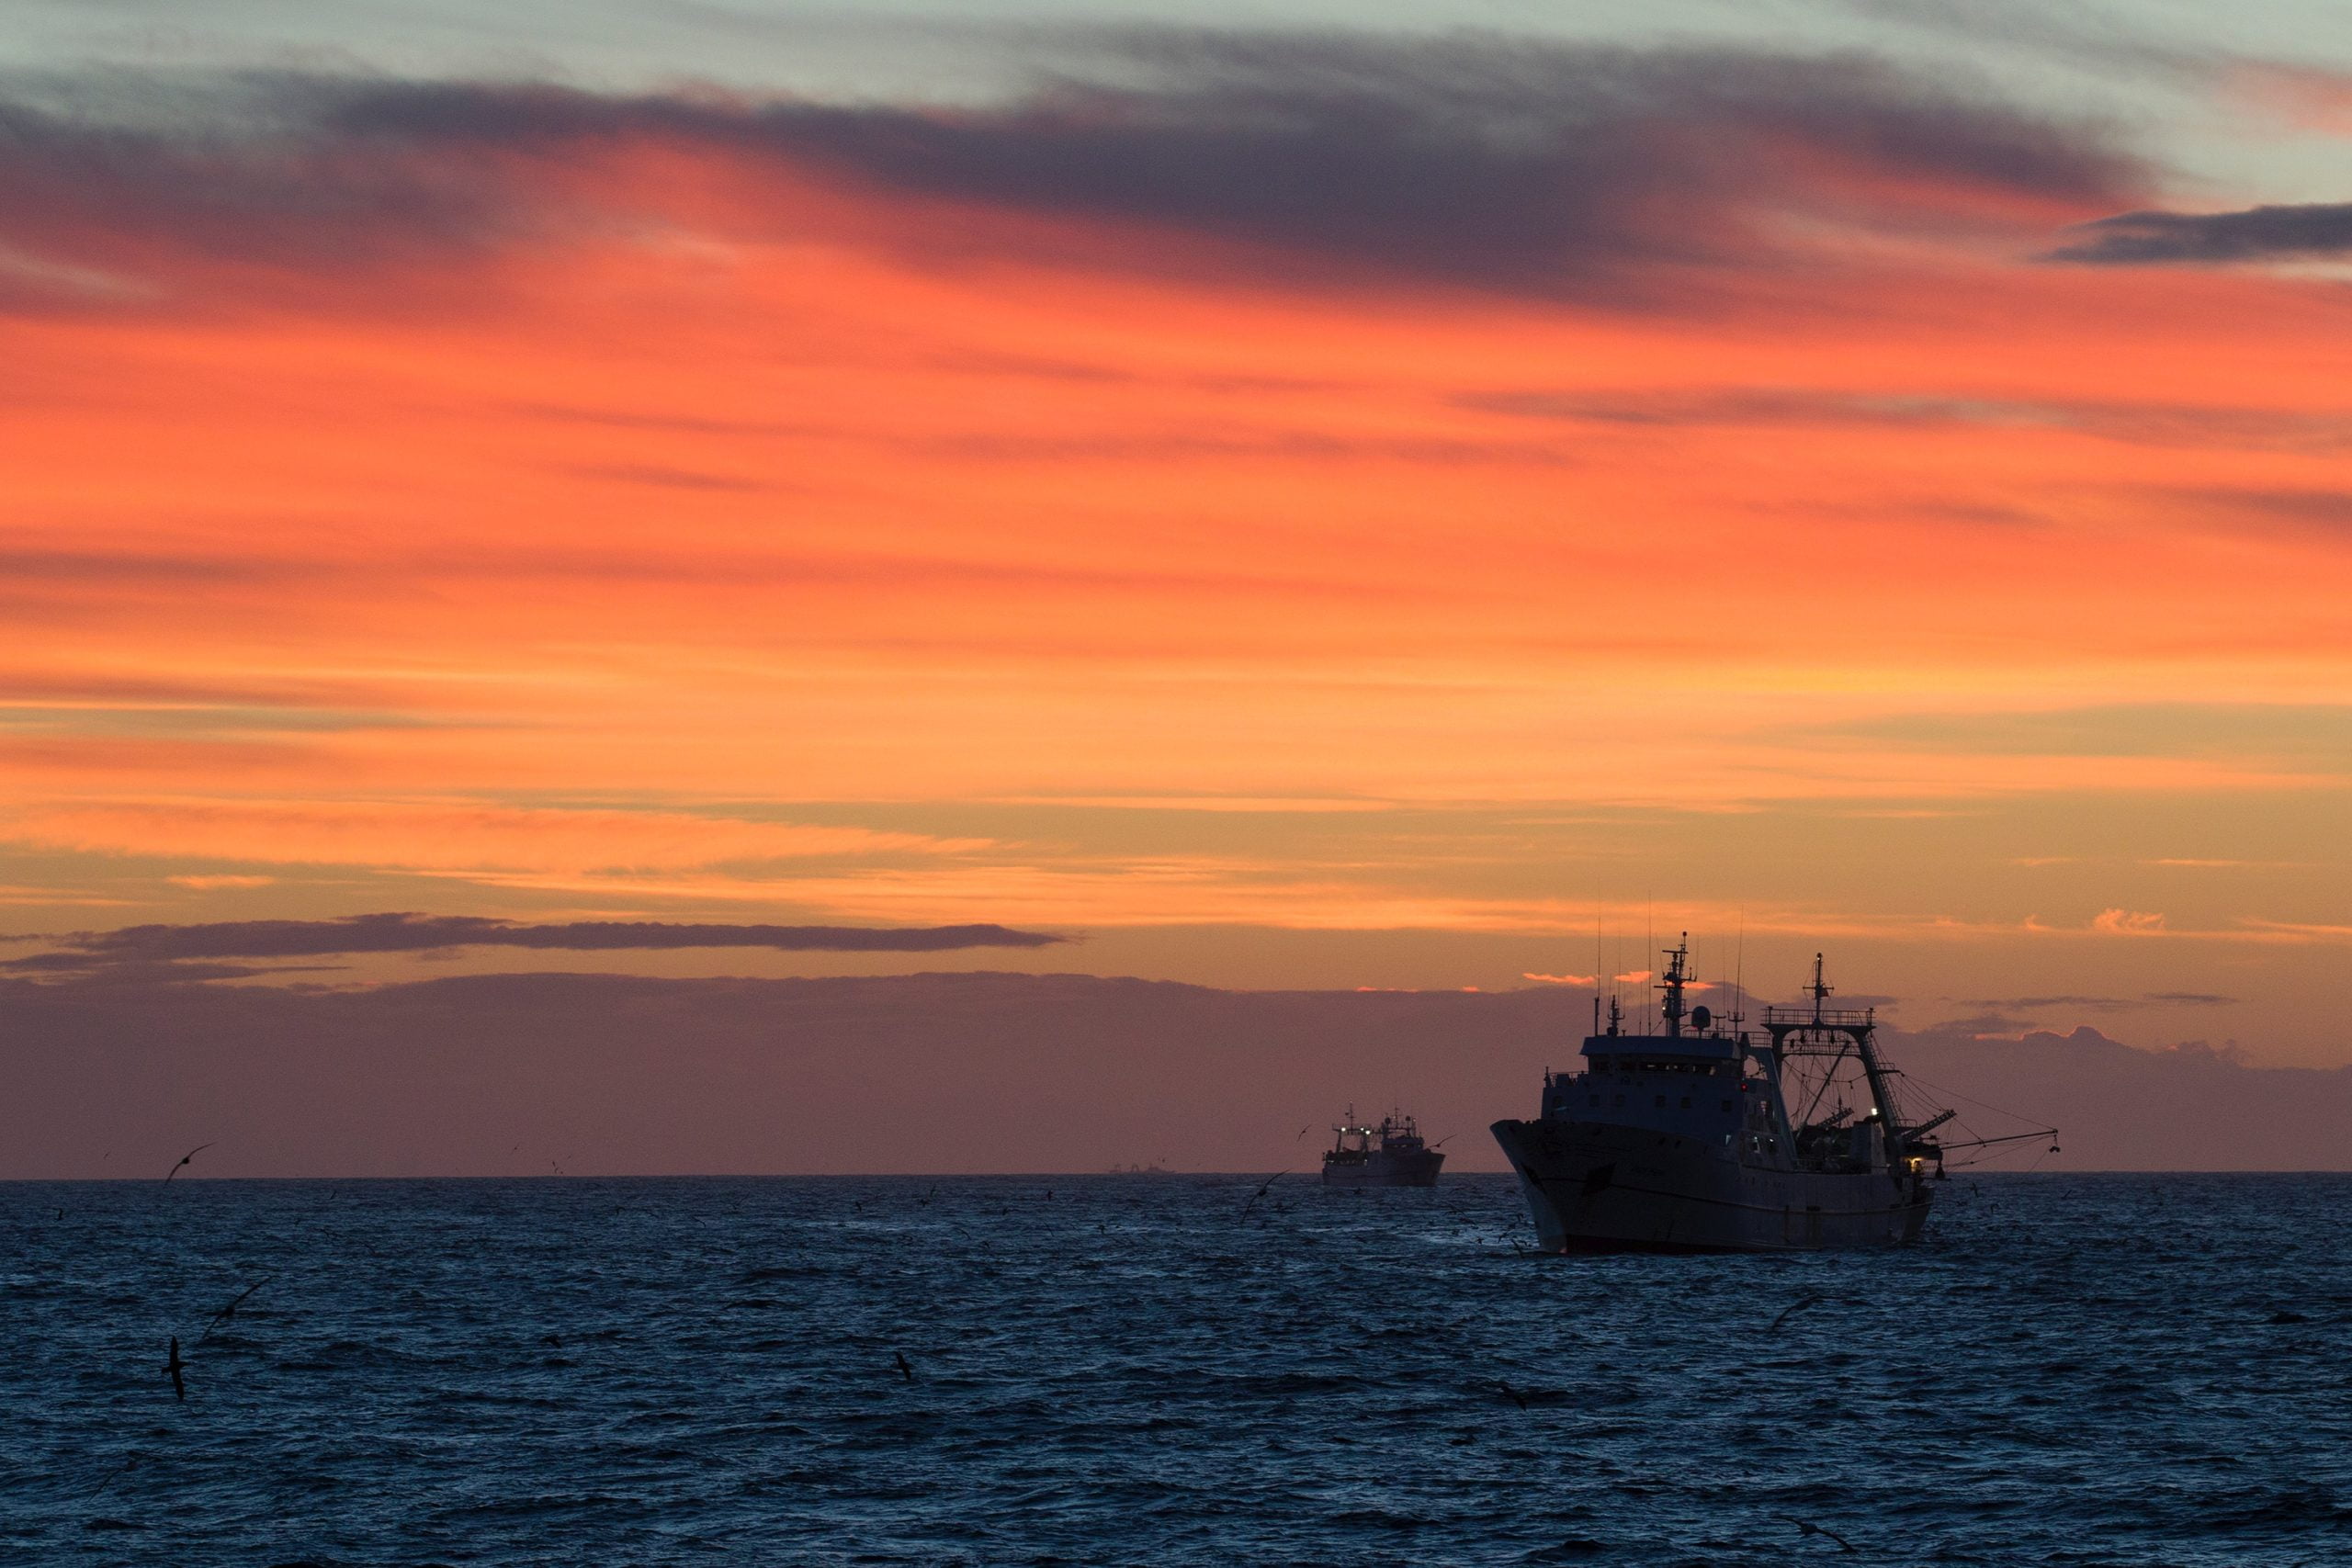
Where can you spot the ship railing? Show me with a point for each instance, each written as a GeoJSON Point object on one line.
{"type": "Point", "coordinates": [1821, 1017]}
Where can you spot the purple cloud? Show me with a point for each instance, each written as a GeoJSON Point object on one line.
{"type": "Point", "coordinates": [2254, 234]}
{"type": "Point", "coordinates": [1497, 164]}
{"type": "Point", "coordinates": [423, 933]}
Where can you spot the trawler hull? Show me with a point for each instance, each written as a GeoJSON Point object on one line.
{"type": "Point", "coordinates": [1384, 1170]}
{"type": "Point", "coordinates": [1594, 1187]}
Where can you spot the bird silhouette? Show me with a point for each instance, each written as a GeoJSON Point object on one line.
{"type": "Point", "coordinates": [174, 1366]}
{"type": "Point", "coordinates": [125, 1468]}
{"type": "Point", "coordinates": [1807, 1527]}
{"type": "Point", "coordinates": [906, 1368]}
{"type": "Point", "coordinates": [1263, 1187]}
{"type": "Point", "coordinates": [185, 1158]}
{"type": "Point", "coordinates": [1304, 1131]}
{"type": "Point", "coordinates": [226, 1312]}
{"type": "Point", "coordinates": [1795, 1307]}
{"type": "Point", "coordinates": [1512, 1394]}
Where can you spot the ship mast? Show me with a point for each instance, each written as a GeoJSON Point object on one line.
{"type": "Point", "coordinates": [1866, 1047]}
{"type": "Point", "coordinates": [1795, 1033]}
{"type": "Point", "coordinates": [1678, 974]}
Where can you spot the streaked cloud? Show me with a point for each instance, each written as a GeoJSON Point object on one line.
{"type": "Point", "coordinates": [2149, 423]}
{"type": "Point", "coordinates": [2322, 512]}
{"type": "Point", "coordinates": [409, 932]}
{"type": "Point", "coordinates": [2099, 1004]}
{"type": "Point", "coordinates": [2312, 734]}
{"type": "Point", "coordinates": [440, 835]}
{"type": "Point", "coordinates": [2298, 233]}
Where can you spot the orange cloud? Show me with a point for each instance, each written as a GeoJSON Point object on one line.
{"type": "Point", "coordinates": [2305, 96]}
{"type": "Point", "coordinates": [700, 453]}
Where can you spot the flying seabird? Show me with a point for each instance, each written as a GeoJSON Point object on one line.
{"type": "Point", "coordinates": [1793, 1309]}
{"type": "Point", "coordinates": [185, 1158]}
{"type": "Point", "coordinates": [173, 1367]}
{"type": "Point", "coordinates": [1810, 1528]}
{"type": "Point", "coordinates": [115, 1475]}
{"type": "Point", "coordinates": [906, 1368]}
{"type": "Point", "coordinates": [226, 1312]}
{"type": "Point", "coordinates": [1515, 1397]}
{"type": "Point", "coordinates": [1263, 1187]}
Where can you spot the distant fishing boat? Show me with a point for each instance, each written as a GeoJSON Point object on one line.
{"type": "Point", "coordinates": [1704, 1138]}
{"type": "Point", "coordinates": [1391, 1155]}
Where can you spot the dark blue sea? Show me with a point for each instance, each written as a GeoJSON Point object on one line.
{"type": "Point", "coordinates": [1157, 1370]}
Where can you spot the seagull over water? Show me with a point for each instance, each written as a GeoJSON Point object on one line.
{"type": "Point", "coordinates": [185, 1158]}
{"type": "Point", "coordinates": [1807, 1527]}
{"type": "Point", "coordinates": [1263, 1187]}
{"type": "Point", "coordinates": [226, 1312]}
{"type": "Point", "coordinates": [1794, 1308]}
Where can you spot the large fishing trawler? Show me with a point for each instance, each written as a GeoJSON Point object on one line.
{"type": "Point", "coordinates": [1704, 1138]}
{"type": "Point", "coordinates": [1391, 1155]}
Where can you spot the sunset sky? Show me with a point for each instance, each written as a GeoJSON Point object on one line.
{"type": "Point", "coordinates": [1305, 498]}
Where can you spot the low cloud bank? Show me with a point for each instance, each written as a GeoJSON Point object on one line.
{"type": "Point", "coordinates": [405, 933]}
{"type": "Point", "coordinates": [499, 1074]}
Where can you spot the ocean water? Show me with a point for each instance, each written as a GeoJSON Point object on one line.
{"type": "Point", "coordinates": [1159, 1369]}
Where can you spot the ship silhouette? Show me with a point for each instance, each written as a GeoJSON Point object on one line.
{"type": "Point", "coordinates": [1709, 1137]}
{"type": "Point", "coordinates": [1391, 1155]}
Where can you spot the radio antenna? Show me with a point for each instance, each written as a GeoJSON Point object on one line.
{"type": "Point", "coordinates": [1599, 965]}
{"type": "Point", "coordinates": [1739, 972]}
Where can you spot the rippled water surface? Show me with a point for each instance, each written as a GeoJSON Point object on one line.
{"type": "Point", "coordinates": [2071, 1369]}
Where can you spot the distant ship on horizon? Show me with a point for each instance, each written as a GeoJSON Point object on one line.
{"type": "Point", "coordinates": [1704, 1138]}
{"type": "Point", "coordinates": [1391, 1155]}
